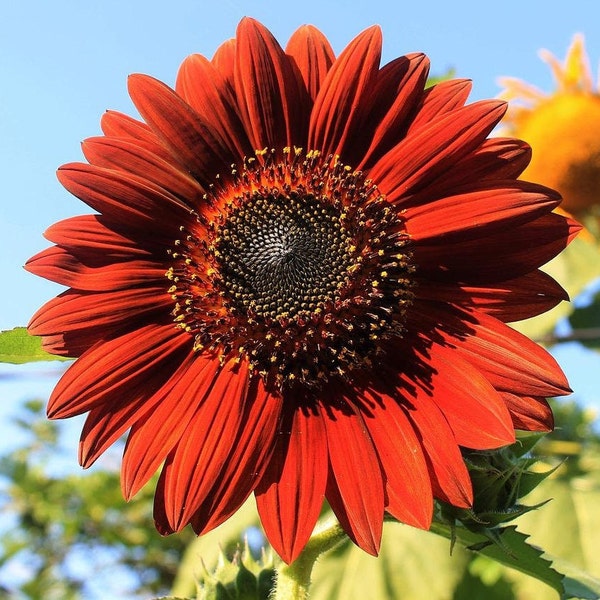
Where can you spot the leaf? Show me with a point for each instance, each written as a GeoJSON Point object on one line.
{"type": "Point", "coordinates": [569, 526]}
{"type": "Point", "coordinates": [531, 479]}
{"type": "Point", "coordinates": [511, 549]}
{"type": "Point", "coordinates": [18, 347]}
{"type": "Point", "coordinates": [578, 583]}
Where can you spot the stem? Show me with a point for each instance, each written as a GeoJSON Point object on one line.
{"type": "Point", "coordinates": [293, 581]}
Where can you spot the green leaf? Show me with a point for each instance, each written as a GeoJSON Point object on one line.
{"type": "Point", "coordinates": [18, 347]}
{"type": "Point", "coordinates": [511, 549]}
{"type": "Point", "coordinates": [578, 583]}
{"type": "Point", "coordinates": [529, 480]}
{"type": "Point", "coordinates": [568, 528]}
{"type": "Point", "coordinates": [525, 443]}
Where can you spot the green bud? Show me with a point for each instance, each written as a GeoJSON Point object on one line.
{"type": "Point", "coordinates": [500, 478]}
{"type": "Point", "coordinates": [241, 578]}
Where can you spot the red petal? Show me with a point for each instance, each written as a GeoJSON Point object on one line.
{"type": "Point", "coordinates": [355, 487]}
{"type": "Point", "coordinates": [119, 125]}
{"type": "Point", "coordinates": [513, 300]}
{"type": "Point", "coordinates": [196, 143]}
{"type": "Point", "coordinates": [430, 151]}
{"type": "Point", "coordinates": [194, 465]}
{"type": "Point", "coordinates": [508, 359]}
{"type": "Point", "coordinates": [105, 424]}
{"type": "Point", "coordinates": [313, 56]}
{"type": "Point", "coordinates": [246, 463]}
{"type": "Point", "coordinates": [477, 213]}
{"type": "Point", "coordinates": [337, 110]}
{"type": "Point", "coordinates": [473, 408]}
{"type": "Point", "coordinates": [129, 157]}
{"type": "Point", "coordinates": [125, 198]}
{"type": "Point", "coordinates": [222, 454]}
{"type": "Point", "coordinates": [114, 368]}
{"type": "Point", "coordinates": [224, 62]}
{"type": "Point", "coordinates": [495, 159]}
{"type": "Point", "coordinates": [93, 234]}
{"type": "Point", "coordinates": [203, 87]}
{"type": "Point", "coordinates": [449, 475]}
{"type": "Point", "coordinates": [399, 86]}
{"type": "Point", "coordinates": [72, 311]}
{"type": "Point", "coordinates": [291, 493]}
{"type": "Point", "coordinates": [61, 346]}
{"type": "Point", "coordinates": [271, 95]}
{"type": "Point", "coordinates": [165, 421]}
{"type": "Point", "coordinates": [495, 257]}
{"type": "Point", "coordinates": [60, 266]}
{"type": "Point", "coordinates": [440, 99]}
{"type": "Point", "coordinates": [529, 413]}
{"type": "Point", "coordinates": [512, 362]}
{"type": "Point", "coordinates": [407, 482]}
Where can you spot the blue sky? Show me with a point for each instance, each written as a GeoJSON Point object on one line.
{"type": "Point", "coordinates": [64, 62]}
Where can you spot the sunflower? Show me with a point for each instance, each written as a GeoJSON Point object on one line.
{"type": "Point", "coordinates": [563, 128]}
{"type": "Point", "coordinates": [296, 285]}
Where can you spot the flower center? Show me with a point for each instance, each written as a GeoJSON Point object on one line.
{"type": "Point", "coordinates": [283, 256]}
{"type": "Point", "coordinates": [296, 264]}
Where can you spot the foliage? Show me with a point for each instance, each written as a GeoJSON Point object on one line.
{"type": "Point", "coordinates": [62, 522]}
{"type": "Point", "coordinates": [17, 347]}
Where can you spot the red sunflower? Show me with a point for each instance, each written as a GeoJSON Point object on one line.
{"type": "Point", "coordinates": [296, 284]}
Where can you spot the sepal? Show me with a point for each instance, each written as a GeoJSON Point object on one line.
{"type": "Point", "coordinates": [241, 578]}
{"type": "Point", "coordinates": [500, 478]}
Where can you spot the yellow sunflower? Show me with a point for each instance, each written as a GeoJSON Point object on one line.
{"type": "Point", "coordinates": [562, 127]}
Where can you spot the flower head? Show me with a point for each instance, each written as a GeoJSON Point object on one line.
{"type": "Point", "coordinates": [296, 285]}
{"type": "Point", "coordinates": [563, 128]}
